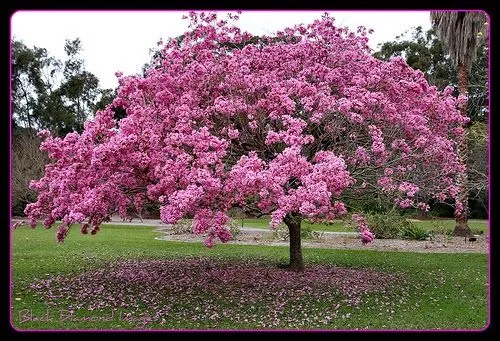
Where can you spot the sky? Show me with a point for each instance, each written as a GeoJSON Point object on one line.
{"type": "Point", "coordinates": [120, 41]}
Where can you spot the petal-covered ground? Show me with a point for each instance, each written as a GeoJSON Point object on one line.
{"type": "Point", "coordinates": [182, 293]}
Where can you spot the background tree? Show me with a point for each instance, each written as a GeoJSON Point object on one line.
{"type": "Point", "coordinates": [287, 127]}
{"type": "Point", "coordinates": [423, 51]}
{"type": "Point", "coordinates": [107, 97]}
{"type": "Point", "coordinates": [477, 167]}
{"type": "Point", "coordinates": [33, 75]}
{"type": "Point", "coordinates": [80, 88]}
{"type": "Point", "coordinates": [28, 163]}
{"type": "Point", "coordinates": [459, 32]}
{"type": "Point", "coordinates": [46, 94]}
{"type": "Point", "coordinates": [50, 94]}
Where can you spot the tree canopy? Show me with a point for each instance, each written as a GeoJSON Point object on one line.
{"type": "Point", "coordinates": [290, 127]}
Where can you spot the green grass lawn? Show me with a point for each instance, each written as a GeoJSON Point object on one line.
{"type": "Point", "coordinates": [340, 226]}
{"type": "Point", "coordinates": [475, 225]}
{"type": "Point", "coordinates": [440, 291]}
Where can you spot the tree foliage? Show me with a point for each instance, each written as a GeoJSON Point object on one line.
{"type": "Point", "coordinates": [33, 73]}
{"type": "Point", "coordinates": [48, 93]}
{"type": "Point", "coordinates": [458, 31]}
{"type": "Point", "coordinates": [423, 51]}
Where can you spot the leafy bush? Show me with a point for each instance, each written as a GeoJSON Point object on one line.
{"type": "Point", "coordinates": [387, 225]}
{"type": "Point", "coordinates": [281, 233]}
{"type": "Point", "coordinates": [368, 204]}
{"type": "Point", "coordinates": [477, 231]}
{"type": "Point", "coordinates": [306, 232]}
{"type": "Point", "coordinates": [442, 210]}
{"type": "Point", "coordinates": [182, 227]}
{"type": "Point", "coordinates": [234, 227]}
{"type": "Point", "coordinates": [439, 232]}
{"type": "Point", "coordinates": [414, 232]}
{"type": "Point", "coordinates": [391, 225]}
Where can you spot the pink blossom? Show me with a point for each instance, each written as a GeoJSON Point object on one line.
{"type": "Point", "coordinates": [459, 208]}
{"type": "Point", "coordinates": [44, 133]}
{"type": "Point", "coordinates": [459, 131]}
{"type": "Point", "coordinates": [62, 232]}
{"type": "Point", "coordinates": [378, 146]}
{"type": "Point", "coordinates": [356, 118]}
{"type": "Point", "coordinates": [233, 133]}
{"type": "Point", "coordinates": [386, 183]}
{"type": "Point", "coordinates": [361, 156]}
{"type": "Point", "coordinates": [408, 188]}
{"type": "Point", "coordinates": [403, 203]}
{"type": "Point", "coordinates": [366, 235]}
{"type": "Point", "coordinates": [17, 224]}
{"type": "Point", "coordinates": [209, 242]}
{"type": "Point", "coordinates": [448, 90]}
{"type": "Point", "coordinates": [49, 221]}
{"type": "Point", "coordinates": [461, 100]}
{"type": "Point", "coordinates": [85, 228]}
{"type": "Point", "coordinates": [423, 206]}
{"type": "Point", "coordinates": [420, 142]}
{"type": "Point", "coordinates": [441, 196]}
{"type": "Point", "coordinates": [272, 137]}
{"type": "Point", "coordinates": [453, 190]}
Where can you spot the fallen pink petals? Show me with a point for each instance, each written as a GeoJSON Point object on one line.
{"type": "Point", "coordinates": [244, 293]}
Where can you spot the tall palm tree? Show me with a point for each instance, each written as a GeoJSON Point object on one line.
{"type": "Point", "coordinates": [459, 33]}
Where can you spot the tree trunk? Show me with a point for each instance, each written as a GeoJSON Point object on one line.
{"type": "Point", "coordinates": [293, 223]}
{"type": "Point", "coordinates": [461, 227]}
{"type": "Point", "coordinates": [27, 110]}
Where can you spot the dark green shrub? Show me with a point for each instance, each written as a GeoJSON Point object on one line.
{"type": "Point", "coordinates": [387, 225]}
{"type": "Point", "coordinates": [414, 232]}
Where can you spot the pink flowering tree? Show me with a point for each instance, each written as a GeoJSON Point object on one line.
{"type": "Point", "coordinates": [289, 126]}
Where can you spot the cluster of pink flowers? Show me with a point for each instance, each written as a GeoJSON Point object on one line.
{"type": "Point", "coordinates": [378, 146]}
{"type": "Point", "coordinates": [282, 125]}
{"type": "Point", "coordinates": [361, 157]}
{"type": "Point", "coordinates": [364, 231]}
{"type": "Point", "coordinates": [408, 188]}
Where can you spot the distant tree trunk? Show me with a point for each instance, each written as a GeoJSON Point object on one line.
{"type": "Point", "coordinates": [293, 223]}
{"type": "Point", "coordinates": [28, 117]}
{"type": "Point", "coordinates": [461, 227]}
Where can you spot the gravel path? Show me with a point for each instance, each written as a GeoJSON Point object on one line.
{"type": "Point", "coordinates": [333, 240]}
{"type": "Point", "coordinates": [346, 241]}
